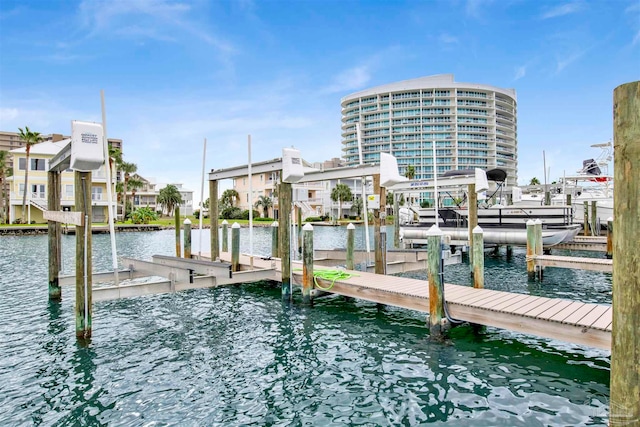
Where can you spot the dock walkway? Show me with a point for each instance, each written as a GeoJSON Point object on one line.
{"type": "Point", "coordinates": [566, 320]}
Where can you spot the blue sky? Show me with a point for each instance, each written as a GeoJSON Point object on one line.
{"type": "Point", "coordinates": [175, 72]}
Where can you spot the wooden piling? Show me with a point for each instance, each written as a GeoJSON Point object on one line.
{"type": "Point", "coordinates": [274, 239]}
{"type": "Point", "coordinates": [235, 247]}
{"type": "Point", "coordinates": [531, 250]}
{"type": "Point", "coordinates": [478, 257]}
{"type": "Point", "coordinates": [625, 340]}
{"type": "Point", "coordinates": [378, 221]}
{"type": "Point", "coordinates": [84, 301]}
{"type": "Point", "coordinates": [610, 238]}
{"type": "Point", "coordinates": [595, 229]}
{"type": "Point", "coordinates": [187, 238]}
{"type": "Point", "coordinates": [383, 248]}
{"type": "Point", "coordinates": [473, 217]}
{"type": "Point", "coordinates": [351, 233]}
{"type": "Point", "coordinates": [568, 199]}
{"type": "Point", "coordinates": [547, 198]}
{"type": "Point", "coordinates": [54, 236]}
{"type": "Point", "coordinates": [396, 220]}
{"type": "Point", "coordinates": [284, 229]}
{"type": "Point", "coordinates": [213, 220]}
{"type": "Point", "coordinates": [509, 251]}
{"type": "Point", "coordinates": [299, 228]}
{"type": "Point", "coordinates": [177, 230]}
{"type": "Point", "coordinates": [538, 248]}
{"type": "Point", "coordinates": [587, 232]}
{"type": "Point", "coordinates": [307, 264]}
{"type": "Point", "coordinates": [225, 236]}
{"type": "Point", "coordinates": [434, 267]}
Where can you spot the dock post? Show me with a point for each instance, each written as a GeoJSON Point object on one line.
{"type": "Point", "coordinates": [176, 213]}
{"type": "Point", "coordinates": [351, 238]}
{"type": "Point", "coordinates": [307, 264]}
{"type": "Point", "coordinates": [225, 236]}
{"type": "Point", "coordinates": [284, 229]}
{"type": "Point", "coordinates": [586, 219]}
{"type": "Point", "coordinates": [609, 238]}
{"type": "Point", "coordinates": [531, 250]}
{"type": "Point", "coordinates": [509, 251]}
{"type": "Point", "coordinates": [84, 280]}
{"type": "Point", "coordinates": [187, 238]}
{"type": "Point", "coordinates": [625, 340]}
{"type": "Point", "coordinates": [378, 220]}
{"type": "Point", "coordinates": [539, 248]}
{"type": "Point", "coordinates": [274, 239]}
{"type": "Point", "coordinates": [213, 220]}
{"type": "Point", "coordinates": [396, 220]}
{"type": "Point", "coordinates": [473, 218]}
{"type": "Point", "coordinates": [235, 247]}
{"type": "Point", "coordinates": [568, 199]}
{"type": "Point", "coordinates": [478, 257]}
{"type": "Point", "coordinates": [434, 270]}
{"type": "Point", "coordinates": [383, 248]}
{"type": "Point", "coordinates": [594, 218]}
{"type": "Point", "coordinates": [55, 236]}
{"type": "Point", "coordinates": [299, 228]}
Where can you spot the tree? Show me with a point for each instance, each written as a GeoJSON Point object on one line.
{"type": "Point", "coordinates": [30, 138]}
{"type": "Point", "coordinates": [134, 184]}
{"type": "Point", "coordinates": [357, 205]}
{"type": "Point", "coordinates": [4, 198]}
{"type": "Point", "coordinates": [169, 197]}
{"type": "Point", "coordinates": [229, 198]}
{"type": "Point", "coordinates": [410, 172]}
{"type": "Point", "coordinates": [127, 169]}
{"type": "Point", "coordinates": [534, 181]}
{"type": "Point", "coordinates": [265, 202]}
{"type": "Point", "coordinates": [341, 193]}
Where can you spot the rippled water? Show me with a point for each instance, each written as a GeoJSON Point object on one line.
{"type": "Point", "coordinates": [239, 356]}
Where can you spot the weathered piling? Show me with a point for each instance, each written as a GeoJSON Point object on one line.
{"type": "Point", "coordinates": [610, 238]}
{"type": "Point", "coordinates": [625, 340]}
{"type": "Point", "coordinates": [55, 235]}
{"type": "Point", "coordinates": [434, 267]}
{"type": "Point", "coordinates": [587, 232]}
{"type": "Point", "coordinates": [531, 249]}
{"type": "Point", "coordinates": [213, 220]}
{"type": "Point", "coordinates": [187, 238]}
{"type": "Point", "coordinates": [547, 198]}
{"type": "Point", "coordinates": [595, 229]}
{"type": "Point", "coordinates": [284, 202]}
{"type": "Point", "coordinates": [383, 250]}
{"type": "Point", "coordinates": [478, 257]}
{"type": "Point", "coordinates": [299, 228]}
{"type": "Point", "coordinates": [84, 282]}
{"type": "Point", "coordinates": [378, 221]}
{"type": "Point", "coordinates": [568, 199]}
{"type": "Point", "coordinates": [307, 263]}
{"type": "Point", "coordinates": [473, 216]}
{"type": "Point", "coordinates": [235, 247]}
{"type": "Point", "coordinates": [177, 231]}
{"type": "Point", "coordinates": [509, 251]}
{"type": "Point", "coordinates": [351, 238]}
{"type": "Point", "coordinates": [396, 220]}
{"type": "Point", "coordinates": [274, 239]}
{"type": "Point", "coordinates": [225, 236]}
{"type": "Point", "coordinates": [538, 248]}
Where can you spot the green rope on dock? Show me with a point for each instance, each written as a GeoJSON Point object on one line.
{"type": "Point", "coordinates": [331, 275]}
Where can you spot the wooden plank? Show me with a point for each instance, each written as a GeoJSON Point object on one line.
{"type": "Point", "coordinates": [75, 218]}
{"type": "Point", "coordinates": [529, 305]}
{"type": "Point", "coordinates": [604, 320]}
{"type": "Point", "coordinates": [561, 305]}
{"type": "Point", "coordinates": [535, 311]}
{"type": "Point", "coordinates": [504, 298]}
{"type": "Point", "coordinates": [475, 295]}
{"type": "Point", "coordinates": [579, 314]}
{"type": "Point", "coordinates": [561, 315]}
{"type": "Point", "coordinates": [504, 305]}
{"type": "Point", "coordinates": [593, 316]}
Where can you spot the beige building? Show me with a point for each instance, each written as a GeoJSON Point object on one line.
{"type": "Point", "coordinates": [37, 190]}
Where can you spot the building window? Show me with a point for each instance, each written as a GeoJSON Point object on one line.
{"type": "Point", "coordinates": [68, 191]}
{"type": "Point", "coordinates": [22, 164]}
{"type": "Point", "coordinates": [37, 164]}
{"type": "Point", "coordinates": [37, 191]}
{"type": "Point", "coordinates": [21, 190]}
{"type": "Point", "coordinates": [96, 193]}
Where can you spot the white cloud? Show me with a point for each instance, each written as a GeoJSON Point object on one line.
{"type": "Point", "coordinates": [567, 60]}
{"type": "Point", "coordinates": [636, 39]}
{"type": "Point", "coordinates": [349, 80]}
{"type": "Point", "coordinates": [7, 115]}
{"type": "Point", "coordinates": [447, 39]}
{"type": "Point", "coordinates": [521, 71]}
{"type": "Point", "coordinates": [565, 9]}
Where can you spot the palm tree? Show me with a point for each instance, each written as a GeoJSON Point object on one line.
{"type": "Point", "coordinates": [229, 198]}
{"type": "Point", "coordinates": [534, 181]}
{"type": "Point", "coordinates": [4, 199]}
{"type": "Point", "coordinates": [410, 172]}
{"type": "Point", "coordinates": [30, 138]}
{"type": "Point", "coordinates": [265, 202]}
{"type": "Point", "coordinates": [341, 193]}
{"type": "Point", "coordinates": [128, 169]}
{"type": "Point", "coordinates": [169, 197]}
{"type": "Point", "coordinates": [357, 205]}
{"type": "Point", "coordinates": [134, 184]}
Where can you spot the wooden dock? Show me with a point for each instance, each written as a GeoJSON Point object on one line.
{"type": "Point", "coordinates": [577, 263]}
{"type": "Point", "coordinates": [585, 243]}
{"type": "Point", "coordinates": [566, 320]}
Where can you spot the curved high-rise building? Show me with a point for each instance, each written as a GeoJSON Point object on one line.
{"type": "Point", "coordinates": [472, 125]}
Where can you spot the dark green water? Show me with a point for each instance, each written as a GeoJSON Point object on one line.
{"type": "Point", "coordinates": [239, 356]}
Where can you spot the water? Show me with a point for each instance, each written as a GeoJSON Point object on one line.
{"type": "Point", "coordinates": [239, 356]}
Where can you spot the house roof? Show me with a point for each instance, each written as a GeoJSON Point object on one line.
{"type": "Point", "coordinates": [43, 148]}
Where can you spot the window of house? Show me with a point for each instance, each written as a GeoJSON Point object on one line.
{"type": "Point", "coordinates": [68, 191]}
{"type": "Point", "coordinates": [37, 164]}
{"type": "Point", "coordinates": [37, 191]}
{"type": "Point", "coordinates": [21, 190]}
{"type": "Point", "coordinates": [96, 193]}
{"type": "Point", "coordinates": [22, 164]}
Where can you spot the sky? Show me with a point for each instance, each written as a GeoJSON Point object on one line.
{"type": "Point", "coordinates": [177, 72]}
